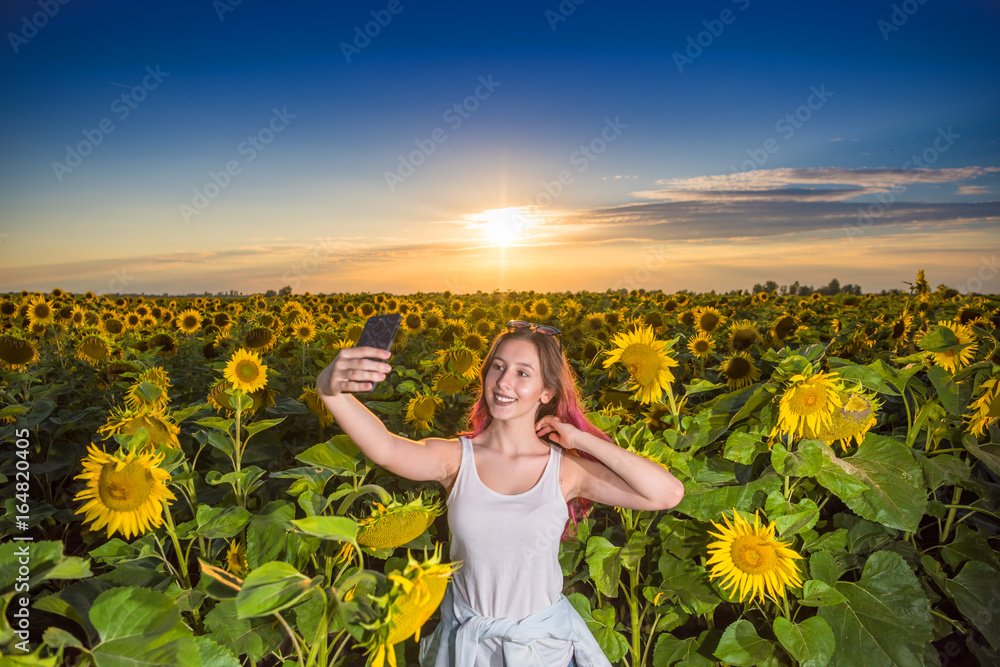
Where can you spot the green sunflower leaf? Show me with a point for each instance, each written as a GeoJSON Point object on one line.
{"type": "Point", "coordinates": [221, 522]}
{"type": "Point", "coordinates": [605, 562]}
{"type": "Point", "coordinates": [272, 587]}
{"type": "Point", "coordinates": [886, 617]}
{"type": "Point", "coordinates": [140, 626]}
{"type": "Point", "coordinates": [602, 623]}
{"type": "Point", "coordinates": [811, 642]}
{"type": "Point", "coordinates": [791, 519]}
{"type": "Point", "coordinates": [881, 482]}
{"type": "Point", "coordinates": [741, 645]}
{"type": "Point", "coordinates": [976, 592]}
{"type": "Point", "coordinates": [671, 651]}
{"type": "Point", "coordinates": [338, 528]}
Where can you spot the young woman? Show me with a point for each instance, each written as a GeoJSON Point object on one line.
{"type": "Point", "coordinates": [509, 493]}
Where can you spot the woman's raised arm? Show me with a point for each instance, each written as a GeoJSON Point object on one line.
{"type": "Point", "coordinates": [353, 370]}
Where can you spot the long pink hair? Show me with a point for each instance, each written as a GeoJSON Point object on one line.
{"type": "Point", "coordinates": [565, 404]}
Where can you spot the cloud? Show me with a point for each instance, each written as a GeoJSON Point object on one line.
{"type": "Point", "coordinates": [973, 190]}
{"type": "Point", "coordinates": [834, 183]}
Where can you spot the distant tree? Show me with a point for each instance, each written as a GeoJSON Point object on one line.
{"type": "Point", "coordinates": [783, 290]}
{"type": "Point", "coordinates": [270, 292]}
{"type": "Point", "coordinates": [806, 290]}
{"type": "Point", "coordinates": [770, 286]}
{"type": "Point", "coordinates": [285, 291]}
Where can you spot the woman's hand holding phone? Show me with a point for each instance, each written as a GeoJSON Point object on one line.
{"type": "Point", "coordinates": [354, 370]}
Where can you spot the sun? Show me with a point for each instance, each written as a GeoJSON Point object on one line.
{"type": "Point", "coordinates": [502, 226]}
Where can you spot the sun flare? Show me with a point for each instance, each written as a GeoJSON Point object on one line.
{"type": "Point", "coordinates": [502, 226]}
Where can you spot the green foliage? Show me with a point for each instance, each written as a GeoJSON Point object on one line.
{"type": "Point", "coordinates": [898, 536]}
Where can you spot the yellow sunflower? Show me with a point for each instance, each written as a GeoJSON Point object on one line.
{"type": "Point", "coordinates": [742, 334]}
{"type": "Point", "coordinates": [259, 339]}
{"type": "Point", "coordinates": [701, 345]}
{"type": "Point", "coordinates": [784, 327]}
{"type": "Point", "coordinates": [751, 561]}
{"type": "Point", "coordinates": [449, 383]}
{"type": "Point", "coordinates": [158, 425]}
{"type": "Point", "coordinates": [245, 371]}
{"type": "Point", "coordinates": [8, 309]}
{"type": "Point", "coordinates": [739, 371]}
{"type": "Point", "coordinates": [416, 593]}
{"type": "Point", "coordinates": [708, 319]}
{"type": "Point", "coordinates": [219, 399]}
{"type": "Point", "coordinates": [421, 410]}
{"type": "Point", "coordinates": [93, 349]}
{"type": "Point", "coordinates": [570, 310]}
{"type": "Point", "coordinates": [646, 360]}
{"type": "Point", "coordinates": [396, 524]}
{"type": "Point", "coordinates": [16, 352]}
{"type": "Point", "coordinates": [460, 361]}
{"type": "Point", "coordinates": [955, 359]}
{"type": "Point", "coordinates": [986, 408]}
{"type": "Point", "coordinates": [40, 311]}
{"type": "Point", "coordinates": [808, 401]}
{"type": "Point", "coordinates": [127, 495]}
{"type": "Point", "coordinates": [316, 406]}
{"type": "Point", "coordinates": [188, 321]}
{"type": "Point", "coordinates": [413, 322]}
{"type": "Point", "coordinates": [78, 316]}
{"type": "Point", "coordinates": [849, 422]}
{"type": "Point", "coordinates": [142, 399]}
{"type": "Point", "coordinates": [303, 330]}
{"type": "Point", "coordinates": [236, 558]}
{"type": "Point", "coordinates": [541, 309]}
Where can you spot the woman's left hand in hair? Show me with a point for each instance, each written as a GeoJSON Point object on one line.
{"type": "Point", "coordinates": [562, 433]}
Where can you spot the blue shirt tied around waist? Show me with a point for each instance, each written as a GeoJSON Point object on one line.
{"type": "Point", "coordinates": [456, 639]}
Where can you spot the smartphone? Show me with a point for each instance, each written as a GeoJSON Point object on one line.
{"type": "Point", "coordinates": [380, 331]}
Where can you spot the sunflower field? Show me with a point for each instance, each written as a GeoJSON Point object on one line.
{"type": "Point", "coordinates": [175, 493]}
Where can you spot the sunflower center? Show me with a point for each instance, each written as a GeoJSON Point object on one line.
{"type": "Point", "coordinates": [642, 363]}
{"type": "Point", "coordinates": [125, 490]}
{"type": "Point", "coordinates": [247, 370]}
{"type": "Point", "coordinates": [424, 409]}
{"type": "Point", "coordinates": [753, 554]}
{"type": "Point", "coordinates": [808, 399]}
{"type": "Point", "coordinates": [857, 404]}
{"type": "Point", "coordinates": [461, 361]}
{"type": "Point", "coordinates": [738, 368]}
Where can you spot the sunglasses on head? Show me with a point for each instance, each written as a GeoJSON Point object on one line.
{"type": "Point", "coordinates": [537, 328]}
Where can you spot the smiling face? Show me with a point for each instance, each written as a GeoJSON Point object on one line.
{"type": "Point", "coordinates": [513, 385]}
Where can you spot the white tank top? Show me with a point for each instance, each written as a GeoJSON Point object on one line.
{"type": "Point", "coordinates": [509, 546]}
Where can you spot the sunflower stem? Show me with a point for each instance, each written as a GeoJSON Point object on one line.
{"type": "Point", "coordinates": [238, 449]}
{"type": "Point", "coordinates": [673, 409]}
{"type": "Point", "coordinates": [291, 635]}
{"type": "Point", "coordinates": [633, 604]}
{"type": "Point", "coordinates": [955, 496]}
{"type": "Point", "coordinates": [649, 640]}
{"type": "Point", "coordinates": [181, 559]}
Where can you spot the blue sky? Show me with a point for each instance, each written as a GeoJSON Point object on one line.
{"type": "Point", "coordinates": [524, 145]}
